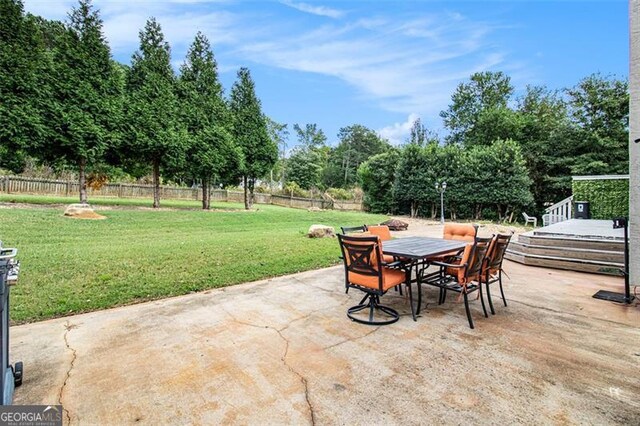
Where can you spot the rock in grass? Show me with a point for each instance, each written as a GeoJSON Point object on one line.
{"type": "Point", "coordinates": [82, 211]}
{"type": "Point", "coordinates": [321, 231]}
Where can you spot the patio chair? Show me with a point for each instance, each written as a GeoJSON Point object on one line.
{"type": "Point", "coordinates": [530, 219]}
{"type": "Point", "coordinates": [457, 232]}
{"type": "Point", "coordinates": [381, 231]}
{"type": "Point", "coordinates": [353, 229]}
{"type": "Point", "coordinates": [492, 269]}
{"type": "Point", "coordinates": [365, 270]}
{"type": "Point", "coordinates": [464, 277]}
{"type": "Point", "coordinates": [460, 232]}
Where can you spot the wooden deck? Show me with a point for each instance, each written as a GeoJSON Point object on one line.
{"type": "Point", "coordinates": [576, 244]}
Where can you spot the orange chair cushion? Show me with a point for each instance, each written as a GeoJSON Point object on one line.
{"type": "Point", "coordinates": [381, 231]}
{"type": "Point", "coordinates": [390, 278]}
{"type": "Point", "coordinates": [459, 273]}
{"type": "Point", "coordinates": [460, 232]}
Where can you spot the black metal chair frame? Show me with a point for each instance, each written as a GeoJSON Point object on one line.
{"type": "Point", "coordinates": [446, 282]}
{"type": "Point", "coordinates": [494, 261]}
{"type": "Point", "coordinates": [351, 229]}
{"type": "Point", "coordinates": [359, 251]}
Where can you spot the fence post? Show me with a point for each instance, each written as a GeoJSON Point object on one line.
{"type": "Point", "coordinates": [7, 182]}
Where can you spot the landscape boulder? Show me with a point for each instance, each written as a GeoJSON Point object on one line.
{"type": "Point", "coordinates": [321, 231]}
{"type": "Point", "coordinates": [82, 211]}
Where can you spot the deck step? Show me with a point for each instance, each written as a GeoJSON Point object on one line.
{"type": "Point", "coordinates": [614, 256]}
{"type": "Point", "coordinates": [569, 242]}
{"type": "Point", "coordinates": [573, 264]}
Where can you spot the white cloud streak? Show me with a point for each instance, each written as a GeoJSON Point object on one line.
{"type": "Point", "coordinates": [315, 10]}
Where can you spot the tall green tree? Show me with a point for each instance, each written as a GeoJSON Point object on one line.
{"type": "Point", "coordinates": [545, 148]}
{"type": "Point", "coordinates": [376, 177]}
{"type": "Point", "coordinates": [86, 93]}
{"type": "Point", "coordinates": [211, 151]}
{"type": "Point", "coordinates": [357, 144]}
{"type": "Point", "coordinates": [599, 107]}
{"type": "Point", "coordinates": [155, 135]}
{"type": "Point", "coordinates": [306, 163]}
{"type": "Point", "coordinates": [486, 93]}
{"type": "Point", "coordinates": [24, 89]}
{"type": "Point", "coordinates": [411, 175]}
{"type": "Point", "coordinates": [304, 167]}
{"type": "Point", "coordinates": [250, 134]}
{"type": "Point", "coordinates": [310, 136]}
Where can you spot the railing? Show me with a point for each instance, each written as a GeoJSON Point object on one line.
{"type": "Point", "coordinates": [24, 185]}
{"type": "Point", "coordinates": [558, 212]}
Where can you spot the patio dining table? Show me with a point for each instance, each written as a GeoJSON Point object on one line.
{"type": "Point", "coordinates": [419, 250]}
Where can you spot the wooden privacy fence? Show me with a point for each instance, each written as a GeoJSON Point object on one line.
{"type": "Point", "coordinates": [62, 188]}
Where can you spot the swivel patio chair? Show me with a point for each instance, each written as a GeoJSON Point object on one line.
{"type": "Point", "coordinates": [492, 269]}
{"type": "Point", "coordinates": [464, 277]}
{"type": "Point", "coordinates": [365, 270]}
{"type": "Point", "coordinates": [384, 233]}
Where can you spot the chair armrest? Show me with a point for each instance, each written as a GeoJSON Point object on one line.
{"type": "Point", "coordinates": [394, 264]}
{"type": "Point", "coordinates": [450, 265]}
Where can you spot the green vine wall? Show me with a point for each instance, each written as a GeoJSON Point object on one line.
{"type": "Point", "coordinates": [608, 198]}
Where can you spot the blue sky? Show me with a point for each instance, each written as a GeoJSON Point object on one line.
{"type": "Point", "coordinates": [376, 63]}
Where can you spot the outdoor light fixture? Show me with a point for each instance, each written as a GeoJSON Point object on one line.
{"type": "Point", "coordinates": [441, 187]}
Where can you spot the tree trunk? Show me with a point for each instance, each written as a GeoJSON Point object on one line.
{"type": "Point", "coordinates": [246, 193]}
{"type": "Point", "coordinates": [156, 184]}
{"type": "Point", "coordinates": [82, 165]}
{"type": "Point", "coordinates": [206, 197]}
{"type": "Point", "coordinates": [251, 184]}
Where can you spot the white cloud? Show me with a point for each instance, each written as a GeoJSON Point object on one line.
{"type": "Point", "coordinates": [407, 66]}
{"type": "Point", "coordinates": [314, 10]}
{"type": "Point", "coordinates": [398, 133]}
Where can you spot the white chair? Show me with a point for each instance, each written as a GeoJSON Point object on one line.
{"type": "Point", "coordinates": [530, 219]}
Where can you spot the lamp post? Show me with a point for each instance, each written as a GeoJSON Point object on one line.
{"type": "Point", "coordinates": [441, 187]}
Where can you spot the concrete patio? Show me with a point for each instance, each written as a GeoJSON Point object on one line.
{"type": "Point", "coordinates": [283, 351]}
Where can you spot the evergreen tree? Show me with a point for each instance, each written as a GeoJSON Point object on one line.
{"type": "Point", "coordinates": [211, 152]}
{"type": "Point", "coordinates": [23, 66]}
{"type": "Point", "coordinates": [376, 177]}
{"type": "Point", "coordinates": [250, 133]}
{"type": "Point", "coordinates": [86, 93]}
{"type": "Point", "coordinates": [155, 136]}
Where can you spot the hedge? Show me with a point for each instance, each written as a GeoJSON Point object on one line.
{"type": "Point", "coordinates": [608, 198]}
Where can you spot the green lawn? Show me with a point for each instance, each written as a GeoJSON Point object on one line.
{"type": "Point", "coordinates": [105, 201]}
{"type": "Point", "coordinates": [70, 265]}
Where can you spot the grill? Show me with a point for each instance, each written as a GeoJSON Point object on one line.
{"type": "Point", "coordinates": [10, 376]}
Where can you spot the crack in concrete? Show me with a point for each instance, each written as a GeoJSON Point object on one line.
{"type": "Point", "coordinates": [353, 339]}
{"type": "Point", "coordinates": [68, 327]}
{"type": "Point", "coordinates": [303, 379]}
